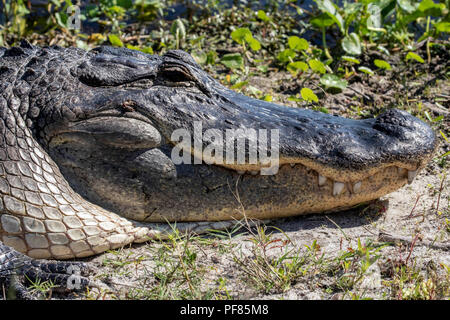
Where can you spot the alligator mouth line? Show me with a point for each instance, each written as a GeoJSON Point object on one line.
{"type": "Point", "coordinates": [324, 172]}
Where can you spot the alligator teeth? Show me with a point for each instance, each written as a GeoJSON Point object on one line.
{"type": "Point", "coordinates": [322, 180]}
{"type": "Point", "coordinates": [292, 165]}
{"type": "Point", "coordinates": [411, 175]}
{"type": "Point", "coordinates": [337, 188]}
{"type": "Point", "coordinates": [357, 187]}
{"type": "Point", "coordinates": [241, 172]}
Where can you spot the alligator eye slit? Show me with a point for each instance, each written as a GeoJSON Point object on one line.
{"type": "Point", "coordinates": [175, 74]}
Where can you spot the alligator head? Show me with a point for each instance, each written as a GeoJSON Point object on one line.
{"type": "Point", "coordinates": [111, 119]}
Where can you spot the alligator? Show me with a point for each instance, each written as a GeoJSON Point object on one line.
{"type": "Point", "coordinates": [87, 152]}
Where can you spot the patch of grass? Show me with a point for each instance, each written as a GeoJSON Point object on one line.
{"type": "Point", "coordinates": [41, 289]}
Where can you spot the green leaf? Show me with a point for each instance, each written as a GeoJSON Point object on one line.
{"type": "Point", "coordinates": [255, 45]}
{"type": "Point", "coordinates": [199, 56]}
{"type": "Point", "coordinates": [295, 67]}
{"type": "Point", "coordinates": [178, 27]}
{"type": "Point", "coordinates": [351, 44]}
{"type": "Point", "coordinates": [239, 85]}
{"type": "Point", "coordinates": [262, 16]}
{"type": "Point", "coordinates": [148, 50]}
{"type": "Point", "coordinates": [286, 55]}
{"type": "Point", "coordinates": [374, 19]}
{"type": "Point", "coordinates": [127, 4]}
{"type": "Point", "coordinates": [232, 60]}
{"type": "Point", "coordinates": [298, 44]}
{"type": "Point", "coordinates": [322, 21]}
{"type": "Point", "coordinates": [333, 81]}
{"type": "Point", "coordinates": [308, 95]}
{"type": "Point", "coordinates": [268, 98]}
{"type": "Point", "coordinates": [329, 8]}
{"type": "Point", "coordinates": [239, 35]}
{"type": "Point", "coordinates": [211, 57]}
{"type": "Point", "coordinates": [408, 5]}
{"type": "Point", "coordinates": [382, 64]}
{"type": "Point", "coordinates": [351, 59]}
{"type": "Point", "coordinates": [294, 98]}
{"type": "Point", "coordinates": [263, 68]}
{"type": "Point", "coordinates": [429, 8]}
{"type": "Point", "coordinates": [317, 66]}
{"type": "Point", "coordinates": [442, 27]}
{"type": "Point", "coordinates": [413, 56]}
{"type": "Point", "coordinates": [366, 70]}
{"type": "Point", "coordinates": [115, 40]}
{"type": "Point", "coordinates": [242, 35]}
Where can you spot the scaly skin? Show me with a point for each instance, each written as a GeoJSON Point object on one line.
{"type": "Point", "coordinates": [86, 141]}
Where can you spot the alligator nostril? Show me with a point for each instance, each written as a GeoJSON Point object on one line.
{"type": "Point", "coordinates": [397, 123]}
{"type": "Point", "coordinates": [128, 106]}
{"type": "Point", "coordinates": [395, 117]}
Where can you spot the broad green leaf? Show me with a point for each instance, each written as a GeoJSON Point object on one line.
{"type": "Point", "coordinates": [308, 95]}
{"type": "Point", "coordinates": [333, 81]}
{"type": "Point", "coordinates": [262, 16]}
{"type": "Point", "coordinates": [429, 8]}
{"type": "Point", "coordinates": [115, 40]}
{"type": "Point", "coordinates": [255, 45]}
{"type": "Point", "coordinates": [382, 64]}
{"type": "Point", "coordinates": [295, 67]}
{"type": "Point", "coordinates": [408, 5]}
{"type": "Point", "coordinates": [232, 60]}
{"type": "Point", "coordinates": [351, 59]}
{"type": "Point", "coordinates": [366, 70]}
{"type": "Point", "coordinates": [286, 55]}
{"type": "Point", "coordinates": [317, 66]}
{"type": "Point", "coordinates": [442, 27]}
{"type": "Point", "coordinates": [244, 34]}
{"type": "Point", "coordinates": [322, 21]}
{"type": "Point", "coordinates": [298, 44]}
{"type": "Point", "coordinates": [239, 35]}
{"type": "Point", "coordinates": [413, 56]}
{"type": "Point", "coordinates": [328, 7]}
{"type": "Point", "coordinates": [268, 98]}
{"type": "Point", "coordinates": [351, 44]}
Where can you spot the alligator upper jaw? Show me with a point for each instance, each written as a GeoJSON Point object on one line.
{"type": "Point", "coordinates": [339, 148]}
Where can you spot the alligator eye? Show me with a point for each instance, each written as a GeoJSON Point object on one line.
{"type": "Point", "coordinates": [175, 74]}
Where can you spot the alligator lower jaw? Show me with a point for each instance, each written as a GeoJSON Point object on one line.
{"type": "Point", "coordinates": [296, 190]}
